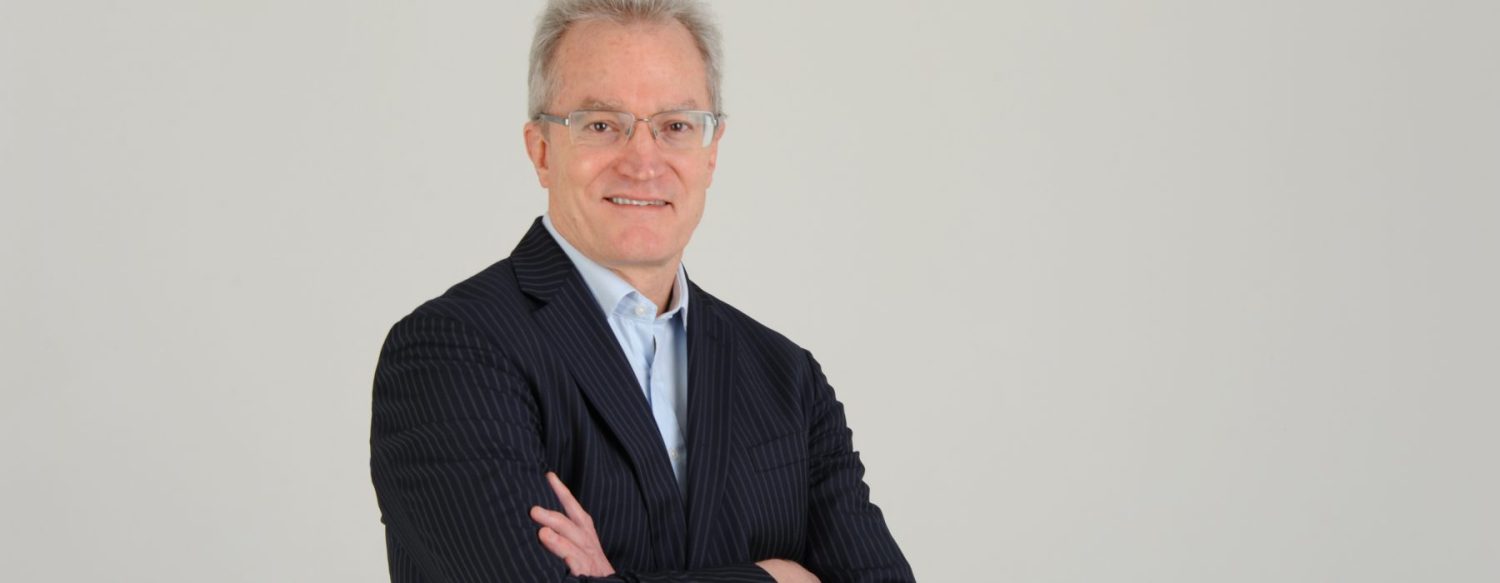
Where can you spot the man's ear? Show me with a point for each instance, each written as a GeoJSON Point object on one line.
{"type": "Point", "coordinates": [537, 150]}
{"type": "Point", "coordinates": [713, 152]}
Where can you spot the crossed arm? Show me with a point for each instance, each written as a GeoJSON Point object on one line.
{"type": "Point", "coordinates": [571, 537]}
{"type": "Point", "coordinates": [456, 457]}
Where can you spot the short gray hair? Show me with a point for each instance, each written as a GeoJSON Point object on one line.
{"type": "Point", "coordinates": [563, 14]}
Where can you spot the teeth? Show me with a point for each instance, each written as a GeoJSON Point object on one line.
{"type": "Point", "coordinates": [623, 200]}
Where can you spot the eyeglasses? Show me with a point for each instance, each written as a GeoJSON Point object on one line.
{"type": "Point", "coordinates": [678, 130]}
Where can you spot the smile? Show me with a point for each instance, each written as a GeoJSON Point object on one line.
{"type": "Point", "coordinates": [633, 202]}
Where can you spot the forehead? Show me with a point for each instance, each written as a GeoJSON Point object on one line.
{"type": "Point", "coordinates": [638, 67]}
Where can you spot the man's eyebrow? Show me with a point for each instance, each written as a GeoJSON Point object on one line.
{"type": "Point", "coordinates": [594, 103]}
{"type": "Point", "coordinates": [689, 104]}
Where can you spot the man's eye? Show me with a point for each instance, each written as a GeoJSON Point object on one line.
{"type": "Point", "coordinates": [679, 127]}
{"type": "Point", "coordinates": [598, 127]}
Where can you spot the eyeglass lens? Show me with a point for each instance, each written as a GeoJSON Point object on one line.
{"type": "Point", "coordinates": [672, 129]}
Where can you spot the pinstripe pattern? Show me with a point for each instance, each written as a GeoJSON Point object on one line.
{"type": "Point", "coordinates": [515, 372]}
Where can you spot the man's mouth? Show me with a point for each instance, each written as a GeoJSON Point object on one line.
{"type": "Point", "coordinates": [620, 200]}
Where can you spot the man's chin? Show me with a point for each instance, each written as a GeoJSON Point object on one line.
{"type": "Point", "coordinates": [644, 250]}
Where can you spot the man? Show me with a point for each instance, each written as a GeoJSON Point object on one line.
{"type": "Point", "coordinates": [582, 409]}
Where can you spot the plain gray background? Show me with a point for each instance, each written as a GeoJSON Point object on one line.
{"type": "Point", "coordinates": [1113, 291]}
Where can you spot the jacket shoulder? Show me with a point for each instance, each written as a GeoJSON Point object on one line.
{"type": "Point", "coordinates": [488, 303]}
{"type": "Point", "coordinates": [760, 339]}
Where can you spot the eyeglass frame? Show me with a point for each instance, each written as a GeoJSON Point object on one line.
{"type": "Point", "coordinates": [716, 119]}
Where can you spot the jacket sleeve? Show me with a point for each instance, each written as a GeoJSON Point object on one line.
{"type": "Point", "coordinates": [848, 540]}
{"type": "Point", "coordinates": [456, 457]}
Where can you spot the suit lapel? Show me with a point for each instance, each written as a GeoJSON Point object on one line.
{"type": "Point", "coordinates": [709, 422]}
{"type": "Point", "coordinates": [578, 333]}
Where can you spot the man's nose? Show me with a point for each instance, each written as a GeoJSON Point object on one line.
{"type": "Point", "coordinates": [642, 159]}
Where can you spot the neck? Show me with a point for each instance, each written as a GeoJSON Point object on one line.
{"type": "Point", "coordinates": [653, 282]}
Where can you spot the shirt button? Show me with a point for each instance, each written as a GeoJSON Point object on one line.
{"type": "Point", "coordinates": [640, 310]}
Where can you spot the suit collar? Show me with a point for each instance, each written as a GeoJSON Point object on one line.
{"type": "Point", "coordinates": [542, 269]}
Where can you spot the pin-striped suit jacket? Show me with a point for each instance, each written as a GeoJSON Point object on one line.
{"type": "Point", "coordinates": [514, 372]}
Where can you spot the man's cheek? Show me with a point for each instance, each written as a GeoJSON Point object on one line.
{"type": "Point", "coordinates": [587, 171]}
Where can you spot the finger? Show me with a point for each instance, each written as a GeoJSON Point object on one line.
{"type": "Point", "coordinates": [569, 503]}
{"type": "Point", "coordinates": [557, 544]}
{"type": "Point", "coordinates": [560, 523]}
{"type": "Point", "coordinates": [578, 561]}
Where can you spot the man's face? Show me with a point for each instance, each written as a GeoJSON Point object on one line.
{"type": "Point", "coordinates": [640, 69]}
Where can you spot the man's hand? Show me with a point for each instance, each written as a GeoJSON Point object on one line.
{"type": "Point", "coordinates": [571, 536]}
{"type": "Point", "coordinates": [784, 571]}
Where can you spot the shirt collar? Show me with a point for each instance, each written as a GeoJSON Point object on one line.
{"type": "Point", "coordinates": [608, 288]}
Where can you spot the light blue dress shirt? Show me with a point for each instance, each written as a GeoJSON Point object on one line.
{"type": "Point", "coordinates": [656, 346]}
